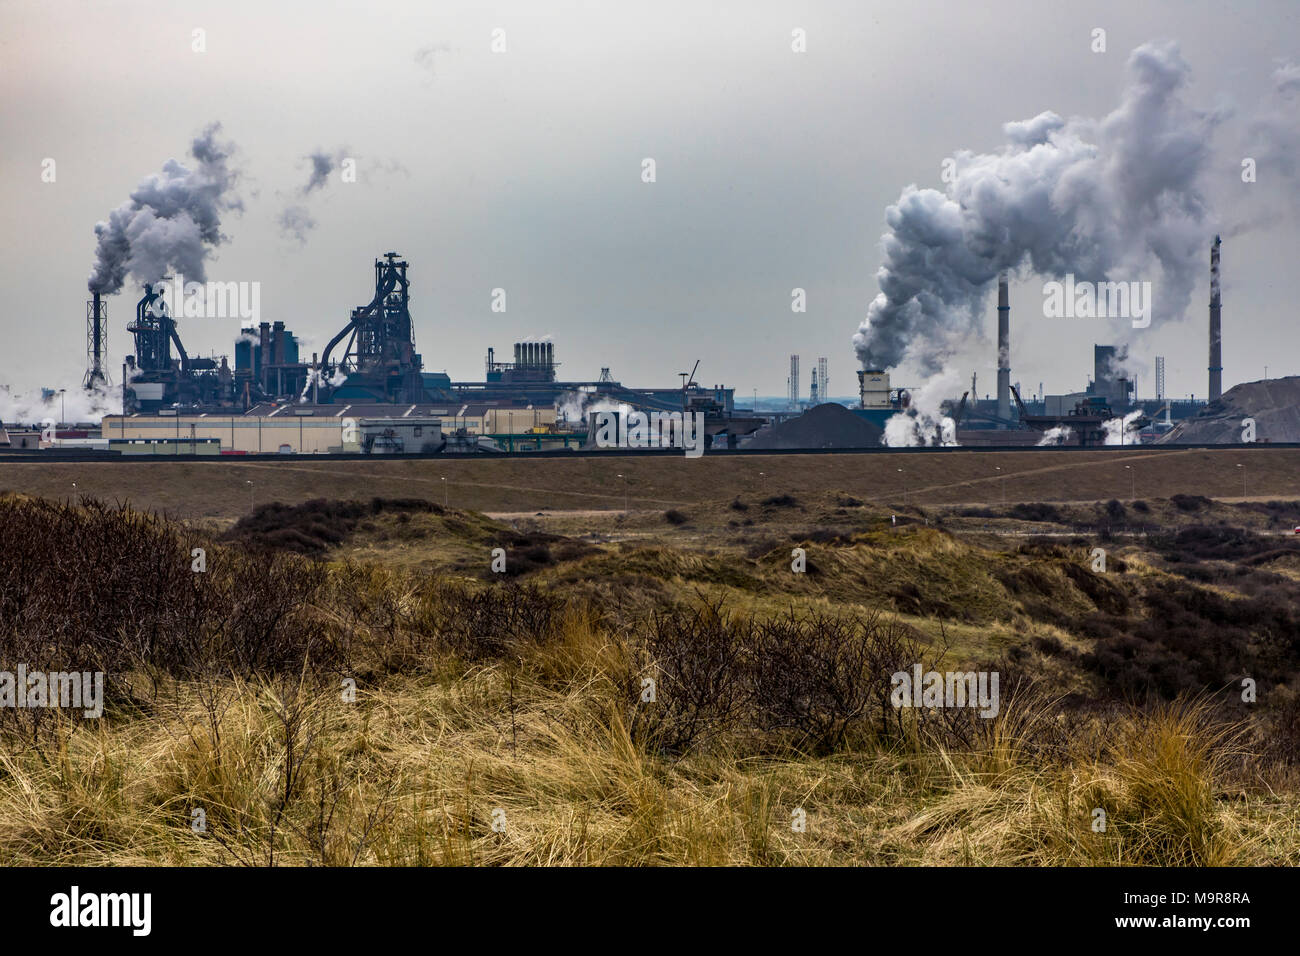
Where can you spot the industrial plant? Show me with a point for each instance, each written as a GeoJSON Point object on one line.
{"type": "Point", "coordinates": [1107, 411]}
{"type": "Point", "coordinates": [367, 392]}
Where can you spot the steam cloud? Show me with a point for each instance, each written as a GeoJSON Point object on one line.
{"type": "Point", "coordinates": [75, 405]}
{"type": "Point", "coordinates": [172, 221]}
{"type": "Point", "coordinates": [1107, 200]}
{"type": "Point", "coordinates": [295, 221]}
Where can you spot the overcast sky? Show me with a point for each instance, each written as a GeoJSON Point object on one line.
{"type": "Point", "coordinates": [522, 170]}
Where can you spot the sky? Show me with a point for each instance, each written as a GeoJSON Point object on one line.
{"type": "Point", "coordinates": [522, 170]}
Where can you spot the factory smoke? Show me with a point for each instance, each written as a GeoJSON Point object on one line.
{"type": "Point", "coordinates": [171, 222]}
{"type": "Point", "coordinates": [575, 406]}
{"type": "Point", "coordinates": [1124, 431]}
{"type": "Point", "coordinates": [295, 220]}
{"type": "Point", "coordinates": [1112, 199]}
{"type": "Point", "coordinates": [1271, 140]}
{"type": "Point", "coordinates": [1059, 435]}
{"type": "Point", "coordinates": [76, 405]}
{"type": "Point", "coordinates": [923, 422]}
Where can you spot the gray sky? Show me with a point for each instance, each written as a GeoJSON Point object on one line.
{"type": "Point", "coordinates": [522, 170]}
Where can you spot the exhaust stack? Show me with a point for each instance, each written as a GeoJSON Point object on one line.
{"type": "Point", "coordinates": [96, 327]}
{"type": "Point", "coordinates": [1216, 327]}
{"type": "Point", "coordinates": [1004, 349]}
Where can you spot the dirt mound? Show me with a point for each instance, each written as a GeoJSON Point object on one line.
{"type": "Point", "coordinates": [825, 426]}
{"type": "Point", "coordinates": [1273, 403]}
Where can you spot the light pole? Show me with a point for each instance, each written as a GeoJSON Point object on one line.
{"type": "Point", "coordinates": [250, 496]}
{"type": "Point", "coordinates": [904, 481]}
{"type": "Point", "coordinates": [63, 408]}
{"type": "Point", "coordinates": [445, 499]}
{"type": "Point", "coordinates": [1132, 481]}
{"type": "Point", "coordinates": [1004, 485]}
{"type": "Point", "coordinates": [1243, 478]}
{"type": "Point", "coordinates": [625, 504]}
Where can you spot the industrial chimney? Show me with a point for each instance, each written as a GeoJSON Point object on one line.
{"type": "Point", "coordinates": [1004, 349]}
{"type": "Point", "coordinates": [96, 326]}
{"type": "Point", "coordinates": [1216, 328]}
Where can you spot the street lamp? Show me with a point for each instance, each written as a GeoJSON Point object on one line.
{"type": "Point", "coordinates": [444, 492]}
{"type": "Point", "coordinates": [63, 408]}
{"type": "Point", "coordinates": [1243, 478]}
{"type": "Point", "coordinates": [250, 496]}
{"type": "Point", "coordinates": [1132, 481]}
{"type": "Point", "coordinates": [904, 481]}
{"type": "Point", "coordinates": [1004, 485]}
{"type": "Point", "coordinates": [625, 504]}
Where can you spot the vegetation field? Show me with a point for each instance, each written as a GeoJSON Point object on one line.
{"type": "Point", "coordinates": [362, 680]}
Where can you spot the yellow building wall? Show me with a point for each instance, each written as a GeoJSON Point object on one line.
{"type": "Point", "coordinates": [260, 435]}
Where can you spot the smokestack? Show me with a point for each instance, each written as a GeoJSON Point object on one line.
{"type": "Point", "coordinates": [1216, 328]}
{"type": "Point", "coordinates": [96, 325]}
{"type": "Point", "coordinates": [1004, 349]}
{"type": "Point", "coordinates": [264, 357]}
{"type": "Point", "coordinates": [97, 338]}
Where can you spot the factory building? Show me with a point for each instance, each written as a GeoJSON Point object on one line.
{"type": "Point", "coordinates": [369, 369]}
{"type": "Point", "coordinates": [1111, 393]}
{"type": "Point", "coordinates": [368, 427]}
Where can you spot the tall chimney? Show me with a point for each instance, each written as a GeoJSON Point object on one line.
{"type": "Point", "coordinates": [96, 326]}
{"type": "Point", "coordinates": [1216, 328]}
{"type": "Point", "coordinates": [1004, 349]}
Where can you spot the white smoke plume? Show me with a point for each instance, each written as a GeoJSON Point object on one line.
{"type": "Point", "coordinates": [1272, 140]}
{"type": "Point", "coordinates": [76, 405]}
{"type": "Point", "coordinates": [1114, 199]}
{"type": "Point", "coordinates": [574, 407]}
{"type": "Point", "coordinates": [1125, 431]}
{"type": "Point", "coordinates": [923, 420]}
{"type": "Point", "coordinates": [171, 222]}
{"type": "Point", "coordinates": [1056, 436]}
{"type": "Point", "coordinates": [314, 377]}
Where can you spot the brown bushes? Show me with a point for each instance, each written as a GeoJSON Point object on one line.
{"type": "Point", "coordinates": [315, 526]}
{"type": "Point", "coordinates": [813, 681]}
{"type": "Point", "coordinates": [107, 588]}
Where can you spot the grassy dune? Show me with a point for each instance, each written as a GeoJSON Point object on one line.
{"type": "Point", "coordinates": [351, 684]}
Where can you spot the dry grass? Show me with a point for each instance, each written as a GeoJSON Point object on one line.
{"type": "Point", "coordinates": [473, 697]}
{"type": "Point", "coordinates": [413, 772]}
